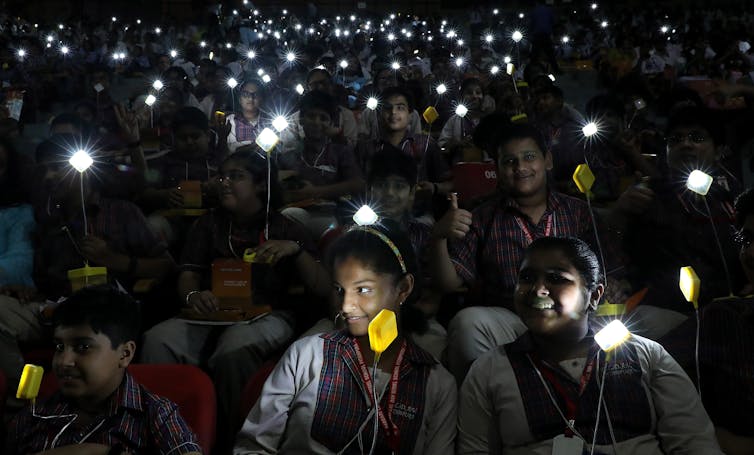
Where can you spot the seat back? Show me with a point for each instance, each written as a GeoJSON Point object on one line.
{"type": "Point", "coordinates": [185, 385]}
{"type": "Point", "coordinates": [474, 180]}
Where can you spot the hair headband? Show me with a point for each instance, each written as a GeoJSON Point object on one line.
{"type": "Point", "coordinates": [388, 242]}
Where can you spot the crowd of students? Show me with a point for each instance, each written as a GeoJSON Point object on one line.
{"type": "Point", "coordinates": [497, 294]}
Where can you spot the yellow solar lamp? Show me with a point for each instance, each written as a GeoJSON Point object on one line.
{"type": "Point", "coordinates": [584, 178]}
{"type": "Point", "coordinates": [611, 309]}
{"type": "Point", "coordinates": [87, 276]}
{"type": "Point", "coordinates": [612, 335]}
{"type": "Point", "coordinates": [430, 114]}
{"type": "Point", "coordinates": [382, 331]}
{"type": "Point", "coordinates": [519, 118]}
{"type": "Point", "coordinates": [31, 379]}
{"type": "Point", "coordinates": [267, 140]}
{"type": "Point", "coordinates": [689, 283]}
{"type": "Point", "coordinates": [699, 182]}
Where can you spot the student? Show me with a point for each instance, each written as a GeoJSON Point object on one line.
{"type": "Point", "coordinates": [482, 249]}
{"type": "Point", "coordinates": [317, 401]}
{"type": "Point", "coordinates": [394, 115]}
{"type": "Point", "coordinates": [100, 408]}
{"type": "Point", "coordinates": [458, 130]}
{"type": "Point", "coordinates": [247, 124]}
{"type": "Point", "coordinates": [116, 236]}
{"type": "Point", "coordinates": [234, 353]}
{"type": "Point", "coordinates": [16, 220]}
{"type": "Point", "coordinates": [319, 169]}
{"type": "Point", "coordinates": [516, 397]}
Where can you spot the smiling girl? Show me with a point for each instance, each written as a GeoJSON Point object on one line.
{"type": "Point", "coordinates": [318, 398]}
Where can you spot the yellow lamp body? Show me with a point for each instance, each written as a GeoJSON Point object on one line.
{"type": "Point", "coordinates": [689, 283]}
{"type": "Point", "coordinates": [382, 331]}
{"type": "Point", "coordinates": [611, 309]}
{"type": "Point", "coordinates": [31, 379]}
{"type": "Point", "coordinates": [430, 114]}
{"type": "Point", "coordinates": [519, 118]}
{"type": "Point", "coordinates": [584, 178]}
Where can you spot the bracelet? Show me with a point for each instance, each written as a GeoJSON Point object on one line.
{"type": "Point", "coordinates": [188, 296]}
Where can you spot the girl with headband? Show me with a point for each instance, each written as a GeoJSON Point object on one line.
{"type": "Point", "coordinates": [319, 397]}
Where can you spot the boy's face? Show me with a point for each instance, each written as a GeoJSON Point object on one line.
{"type": "Point", "coordinates": [88, 369]}
{"type": "Point", "coordinates": [394, 195]}
{"type": "Point", "coordinates": [315, 123]}
{"type": "Point", "coordinates": [689, 148]}
{"type": "Point", "coordinates": [395, 114]}
{"type": "Point", "coordinates": [523, 167]}
{"type": "Point", "coordinates": [191, 141]}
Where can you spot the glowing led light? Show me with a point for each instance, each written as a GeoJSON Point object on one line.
{"type": "Point", "coordinates": [114, 19]}
{"type": "Point", "coordinates": [251, 54]}
{"type": "Point", "coordinates": [138, 21]}
{"type": "Point", "coordinates": [390, 36]}
{"type": "Point", "coordinates": [612, 335]}
{"type": "Point", "coordinates": [81, 160]}
{"type": "Point", "coordinates": [290, 56]}
{"type": "Point", "coordinates": [61, 26]}
{"type": "Point", "coordinates": [299, 89]}
{"type": "Point", "coordinates": [157, 84]}
{"type": "Point", "coordinates": [203, 44]}
{"type": "Point", "coordinates": [21, 53]}
{"type": "Point", "coordinates": [280, 123]}
{"type": "Point", "coordinates": [603, 24]}
{"type": "Point", "coordinates": [461, 110]}
{"type": "Point", "coordinates": [495, 11]}
{"type": "Point", "coordinates": [150, 100]}
{"type": "Point", "coordinates": [372, 103]}
{"type": "Point", "coordinates": [228, 45]}
{"type": "Point", "coordinates": [517, 36]}
{"type": "Point", "coordinates": [699, 182]}
{"type": "Point", "coordinates": [365, 216]}
{"type": "Point", "coordinates": [395, 65]}
{"type": "Point", "coordinates": [565, 39]}
{"type": "Point", "coordinates": [594, 6]}
{"type": "Point", "coordinates": [551, 77]}
{"type": "Point", "coordinates": [267, 139]}
{"type": "Point", "coordinates": [664, 29]}
{"type": "Point", "coordinates": [509, 68]}
{"type": "Point", "coordinates": [590, 129]}
{"type": "Point", "coordinates": [495, 69]}
{"type": "Point", "coordinates": [266, 78]}
{"type": "Point", "coordinates": [232, 83]}
{"type": "Point", "coordinates": [64, 50]}
{"type": "Point", "coordinates": [489, 38]}
{"type": "Point", "coordinates": [344, 64]}
{"type": "Point", "coordinates": [507, 59]}
{"type": "Point", "coordinates": [49, 38]}
{"type": "Point", "coordinates": [260, 71]}
{"type": "Point", "coordinates": [173, 53]}
{"type": "Point", "coordinates": [520, 15]}
{"type": "Point", "coordinates": [459, 62]}
{"type": "Point", "coordinates": [157, 30]}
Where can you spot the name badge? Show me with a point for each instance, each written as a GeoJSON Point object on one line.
{"type": "Point", "coordinates": [562, 445]}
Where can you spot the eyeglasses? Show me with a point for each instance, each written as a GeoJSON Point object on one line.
{"type": "Point", "coordinates": [696, 137]}
{"type": "Point", "coordinates": [252, 95]}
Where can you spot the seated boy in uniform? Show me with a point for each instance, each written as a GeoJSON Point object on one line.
{"type": "Point", "coordinates": [100, 408]}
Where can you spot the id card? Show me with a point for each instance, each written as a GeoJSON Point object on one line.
{"type": "Point", "coordinates": [561, 445]}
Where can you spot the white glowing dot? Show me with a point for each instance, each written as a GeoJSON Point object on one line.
{"type": "Point", "coordinates": [460, 42]}
{"type": "Point", "coordinates": [266, 78]}
{"type": "Point", "coordinates": [489, 38]}
{"type": "Point", "coordinates": [81, 160]}
{"type": "Point", "coordinates": [157, 84]}
{"type": "Point", "coordinates": [699, 182]}
{"type": "Point", "coordinates": [612, 335]}
{"type": "Point", "coordinates": [280, 123]}
{"type": "Point", "coordinates": [150, 100]}
{"type": "Point", "coordinates": [232, 83]}
{"type": "Point", "coordinates": [390, 36]}
{"type": "Point", "coordinates": [157, 30]}
{"type": "Point", "coordinates": [61, 26]}
{"type": "Point", "coordinates": [461, 110]}
{"type": "Point", "coordinates": [507, 59]}
{"type": "Point", "coordinates": [299, 89]}
{"type": "Point", "coordinates": [603, 24]}
{"type": "Point", "coordinates": [290, 56]}
{"type": "Point", "coordinates": [372, 103]}
{"type": "Point", "coordinates": [495, 11]}
{"type": "Point", "coordinates": [517, 36]}
{"type": "Point", "coordinates": [552, 77]}
{"type": "Point", "coordinates": [64, 50]}
{"type": "Point", "coordinates": [49, 38]}
{"type": "Point", "coordinates": [441, 89]}
{"type": "Point", "coordinates": [344, 64]}
{"type": "Point", "coordinates": [173, 53]}
{"type": "Point", "coordinates": [664, 29]}
{"type": "Point", "coordinates": [495, 69]}
{"type": "Point", "coordinates": [203, 44]}
{"type": "Point", "coordinates": [260, 71]}
{"type": "Point", "coordinates": [228, 45]}
{"type": "Point", "coordinates": [122, 55]}
{"type": "Point", "coordinates": [365, 216]}
{"type": "Point", "coordinates": [114, 18]}
{"type": "Point", "coordinates": [459, 62]}
{"type": "Point", "coordinates": [565, 39]}
{"type": "Point", "coordinates": [21, 53]}
{"type": "Point", "coordinates": [395, 66]}
{"type": "Point", "coordinates": [138, 21]}
{"type": "Point", "coordinates": [251, 54]}
{"type": "Point", "coordinates": [594, 6]}
{"type": "Point", "coordinates": [590, 129]}
{"type": "Point", "coordinates": [520, 15]}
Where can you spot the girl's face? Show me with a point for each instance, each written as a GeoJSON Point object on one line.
{"type": "Point", "coordinates": [249, 97]}
{"type": "Point", "coordinates": [362, 293]}
{"type": "Point", "coordinates": [237, 188]}
{"type": "Point", "coordinates": [551, 296]}
{"type": "Point", "coordinates": [473, 96]}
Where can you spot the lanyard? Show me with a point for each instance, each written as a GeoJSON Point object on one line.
{"type": "Point", "coordinates": [527, 232]}
{"type": "Point", "coordinates": [391, 429]}
{"type": "Point", "coordinates": [546, 375]}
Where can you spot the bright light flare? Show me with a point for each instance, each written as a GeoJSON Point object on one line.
{"type": "Point", "coordinates": [517, 36]}
{"type": "Point", "coordinates": [590, 129]}
{"type": "Point", "coordinates": [280, 123]}
{"type": "Point", "coordinates": [365, 216]}
{"type": "Point", "coordinates": [150, 100]}
{"type": "Point", "coordinates": [372, 103]}
{"type": "Point", "coordinates": [232, 83]}
{"type": "Point", "coordinates": [612, 335]}
{"type": "Point", "coordinates": [299, 89]}
{"type": "Point", "coordinates": [81, 160]}
{"type": "Point", "coordinates": [699, 182]}
{"type": "Point", "coordinates": [267, 139]}
{"type": "Point", "coordinates": [157, 84]}
{"type": "Point", "coordinates": [461, 110]}
{"type": "Point", "coordinates": [441, 89]}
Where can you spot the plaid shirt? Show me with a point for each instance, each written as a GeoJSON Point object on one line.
{"type": "Point", "coordinates": [343, 403]}
{"type": "Point", "coordinates": [488, 258]}
{"type": "Point", "coordinates": [137, 420]}
{"type": "Point", "coordinates": [244, 129]}
{"type": "Point", "coordinates": [631, 414]}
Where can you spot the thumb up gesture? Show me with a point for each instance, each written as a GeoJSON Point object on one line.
{"type": "Point", "coordinates": [455, 223]}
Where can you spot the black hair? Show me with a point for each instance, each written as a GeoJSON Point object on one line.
{"type": "Point", "coordinates": [321, 101]}
{"type": "Point", "coordinates": [398, 91]}
{"type": "Point", "coordinates": [13, 189]}
{"type": "Point", "coordinates": [56, 148]}
{"type": "Point", "coordinates": [551, 89]}
{"type": "Point", "coordinates": [314, 71]}
{"type": "Point", "coordinates": [691, 116]}
{"type": "Point", "coordinates": [744, 206]}
{"type": "Point", "coordinates": [516, 131]}
{"type": "Point", "coordinates": [578, 252]}
{"type": "Point", "coordinates": [105, 309]}
{"type": "Point", "coordinates": [190, 116]}
{"type": "Point", "coordinates": [256, 164]}
{"type": "Point", "coordinates": [392, 161]}
{"type": "Point", "coordinates": [68, 118]}
{"type": "Point", "coordinates": [486, 131]}
{"type": "Point", "coordinates": [366, 247]}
